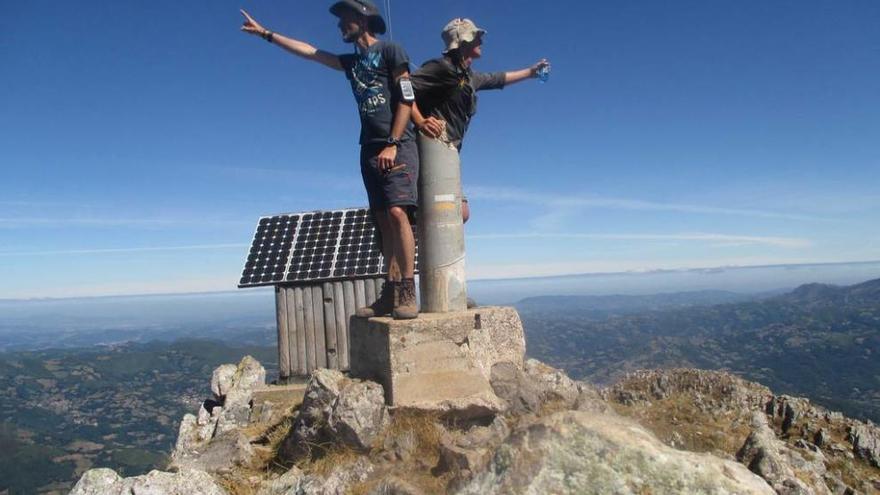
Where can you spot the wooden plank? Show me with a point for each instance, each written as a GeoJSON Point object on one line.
{"type": "Point", "coordinates": [308, 314]}
{"type": "Point", "coordinates": [283, 335]}
{"type": "Point", "coordinates": [293, 346]}
{"type": "Point", "coordinates": [300, 319]}
{"type": "Point", "coordinates": [379, 283]}
{"type": "Point", "coordinates": [320, 337]}
{"type": "Point", "coordinates": [330, 327]}
{"type": "Point", "coordinates": [370, 290]}
{"type": "Point", "coordinates": [341, 326]}
{"type": "Point", "coordinates": [360, 295]}
{"type": "Point", "coordinates": [348, 300]}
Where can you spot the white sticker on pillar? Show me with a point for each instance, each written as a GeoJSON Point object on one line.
{"type": "Point", "coordinates": [441, 198]}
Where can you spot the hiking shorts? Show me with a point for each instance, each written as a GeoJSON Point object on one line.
{"type": "Point", "coordinates": [399, 187]}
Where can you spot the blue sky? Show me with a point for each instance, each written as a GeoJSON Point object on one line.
{"type": "Point", "coordinates": [142, 140]}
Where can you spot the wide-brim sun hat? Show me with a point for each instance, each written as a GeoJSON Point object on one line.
{"type": "Point", "coordinates": [460, 30]}
{"type": "Point", "coordinates": [364, 7]}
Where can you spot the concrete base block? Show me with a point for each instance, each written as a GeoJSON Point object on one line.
{"type": "Point", "coordinates": [440, 361]}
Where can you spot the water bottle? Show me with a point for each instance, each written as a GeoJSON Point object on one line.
{"type": "Point", "coordinates": [544, 73]}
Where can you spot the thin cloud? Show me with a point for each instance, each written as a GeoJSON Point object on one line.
{"type": "Point", "coordinates": [131, 288]}
{"type": "Point", "coordinates": [197, 247]}
{"type": "Point", "coordinates": [724, 239]}
{"type": "Point", "coordinates": [522, 196]}
{"type": "Point", "coordinates": [112, 222]}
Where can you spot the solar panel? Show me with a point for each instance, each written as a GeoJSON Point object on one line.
{"type": "Point", "coordinates": [313, 246]}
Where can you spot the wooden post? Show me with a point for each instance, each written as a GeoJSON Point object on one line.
{"type": "Point", "coordinates": [302, 361]}
{"type": "Point", "coordinates": [341, 325]}
{"type": "Point", "coordinates": [379, 283]}
{"type": "Point", "coordinates": [292, 346]}
{"type": "Point", "coordinates": [320, 337]}
{"type": "Point", "coordinates": [309, 315]}
{"type": "Point", "coordinates": [348, 298]}
{"type": "Point", "coordinates": [360, 295]}
{"type": "Point", "coordinates": [330, 327]}
{"type": "Point", "coordinates": [283, 336]}
{"type": "Point", "coordinates": [370, 290]}
{"type": "Point", "coordinates": [350, 302]}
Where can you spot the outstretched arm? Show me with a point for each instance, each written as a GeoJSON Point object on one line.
{"type": "Point", "coordinates": [527, 73]}
{"type": "Point", "coordinates": [295, 47]}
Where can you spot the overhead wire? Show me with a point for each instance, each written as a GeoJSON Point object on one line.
{"type": "Point", "coordinates": [388, 15]}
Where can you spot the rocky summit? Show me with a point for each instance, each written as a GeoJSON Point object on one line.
{"type": "Point", "coordinates": [658, 432]}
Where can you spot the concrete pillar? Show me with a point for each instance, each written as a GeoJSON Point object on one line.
{"type": "Point", "coordinates": [441, 233]}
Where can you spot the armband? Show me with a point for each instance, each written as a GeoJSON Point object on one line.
{"type": "Point", "coordinates": [406, 90]}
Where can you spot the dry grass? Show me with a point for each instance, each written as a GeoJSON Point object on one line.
{"type": "Point", "coordinates": [237, 485]}
{"type": "Point", "coordinates": [426, 431]}
{"type": "Point", "coordinates": [697, 431]}
{"type": "Point", "coordinates": [328, 457]}
{"type": "Point", "coordinates": [246, 479]}
{"type": "Point", "coordinates": [425, 427]}
{"type": "Point", "coordinates": [851, 472]}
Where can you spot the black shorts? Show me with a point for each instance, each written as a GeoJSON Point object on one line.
{"type": "Point", "coordinates": [396, 188]}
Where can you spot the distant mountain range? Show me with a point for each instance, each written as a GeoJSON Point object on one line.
{"type": "Point", "coordinates": [615, 304]}
{"type": "Point", "coordinates": [820, 341]}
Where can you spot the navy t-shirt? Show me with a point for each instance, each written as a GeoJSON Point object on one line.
{"type": "Point", "coordinates": [371, 74]}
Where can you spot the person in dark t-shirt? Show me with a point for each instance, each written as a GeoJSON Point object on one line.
{"type": "Point", "coordinates": [446, 87]}
{"type": "Point", "coordinates": [379, 75]}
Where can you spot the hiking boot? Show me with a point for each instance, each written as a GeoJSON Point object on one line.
{"type": "Point", "coordinates": [405, 307]}
{"type": "Point", "coordinates": [381, 306]}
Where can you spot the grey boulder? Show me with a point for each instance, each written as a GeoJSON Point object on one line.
{"type": "Point", "coordinates": [865, 440]}
{"type": "Point", "coordinates": [786, 470]}
{"type": "Point", "coordinates": [107, 482]}
{"type": "Point", "coordinates": [358, 415]}
{"type": "Point", "coordinates": [574, 452]}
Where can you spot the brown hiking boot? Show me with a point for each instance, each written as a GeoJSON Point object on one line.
{"type": "Point", "coordinates": [381, 306]}
{"type": "Point", "coordinates": [405, 307]}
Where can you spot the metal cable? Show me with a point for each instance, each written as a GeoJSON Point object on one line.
{"type": "Point", "coordinates": [388, 14]}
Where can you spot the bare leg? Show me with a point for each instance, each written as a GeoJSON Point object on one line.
{"type": "Point", "coordinates": [404, 245]}
{"type": "Point", "coordinates": [388, 235]}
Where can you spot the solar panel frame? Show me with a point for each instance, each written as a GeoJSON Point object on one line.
{"type": "Point", "coordinates": [322, 246]}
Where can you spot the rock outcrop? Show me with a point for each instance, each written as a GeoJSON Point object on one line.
{"type": "Point", "coordinates": [786, 470]}
{"type": "Point", "coordinates": [107, 482]}
{"type": "Point", "coordinates": [796, 446]}
{"type": "Point", "coordinates": [576, 452]}
{"type": "Point", "coordinates": [865, 440]}
{"type": "Point", "coordinates": [210, 440]}
{"type": "Point", "coordinates": [539, 431]}
{"type": "Point", "coordinates": [336, 410]}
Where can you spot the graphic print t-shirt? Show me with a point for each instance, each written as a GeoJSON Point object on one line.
{"type": "Point", "coordinates": [371, 74]}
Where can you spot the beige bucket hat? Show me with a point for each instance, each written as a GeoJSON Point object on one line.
{"type": "Point", "coordinates": [460, 30]}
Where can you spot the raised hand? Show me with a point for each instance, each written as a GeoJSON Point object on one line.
{"type": "Point", "coordinates": [251, 26]}
{"type": "Point", "coordinates": [539, 65]}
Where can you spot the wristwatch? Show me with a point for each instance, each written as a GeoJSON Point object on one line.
{"type": "Point", "coordinates": [391, 141]}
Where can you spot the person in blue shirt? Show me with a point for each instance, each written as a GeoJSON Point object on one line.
{"type": "Point", "coordinates": [380, 81]}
